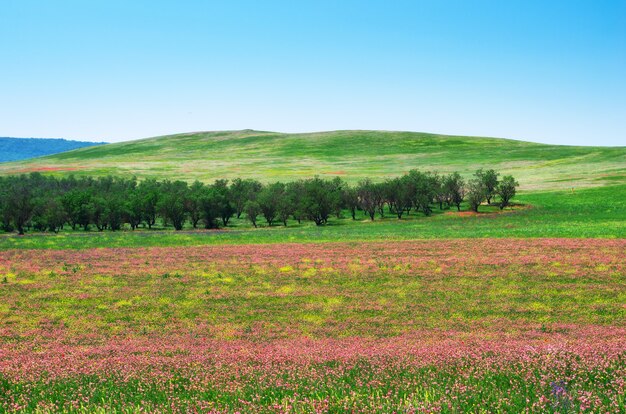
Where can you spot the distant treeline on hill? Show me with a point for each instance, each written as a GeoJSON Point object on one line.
{"type": "Point", "coordinates": [43, 203]}
{"type": "Point", "coordinates": [13, 149]}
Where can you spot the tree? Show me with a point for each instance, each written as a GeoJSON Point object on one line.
{"type": "Point", "coordinates": [368, 200]}
{"type": "Point", "coordinates": [194, 202]}
{"type": "Point", "coordinates": [209, 207]}
{"type": "Point", "coordinates": [294, 194]}
{"type": "Point", "coordinates": [476, 193]}
{"type": "Point", "coordinates": [336, 186]}
{"type": "Point", "coordinates": [399, 194]}
{"type": "Point", "coordinates": [114, 211]}
{"type": "Point", "coordinates": [269, 200]}
{"type": "Point", "coordinates": [441, 194]}
{"type": "Point", "coordinates": [490, 182]}
{"type": "Point", "coordinates": [223, 201]}
{"type": "Point", "coordinates": [454, 186]}
{"type": "Point", "coordinates": [96, 209]}
{"type": "Point", "coordinates": [77, 205]}
{"type": "Point", "coordinates": [350, 200]}
{"type": "Point", "coordinates": [285, 209]}
{"type": "Point", "coordinates": [423, 185]}
{"type": "Point", "coordinates": [252, 210]}
{"type": "Point", "coordinates": [20, 202]}
{"type": "Point", "coordinates": [171, 203]}
{"type": "Point", "coordinates": [5, 215]}
{"type": "Point", "coordinates": [53, 216]}
{"type": "Point", "coordinates": [133, 208]}
{"type": "Point", "coordinates": [149, 192]}
{"type": "Point", "coordinates": [321, 199]}
{"type": "Point", "coordinates": [44, 203]}
{"type": "Point", "coordinates": [241, 191]}
{"type": "Point", "coordinates": [506, 190]}
{"type": "Point", "coordinates": [379, 198]}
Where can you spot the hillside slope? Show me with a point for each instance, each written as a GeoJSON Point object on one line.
{"type": "Point", "coordinates": [14, 149]}
{"type": "Point", "coordinates": [349, 154]}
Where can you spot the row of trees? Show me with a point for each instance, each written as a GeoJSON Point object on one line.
{"type": "Point", "coordinates": [46, 203]}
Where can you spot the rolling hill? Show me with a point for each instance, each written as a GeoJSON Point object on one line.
{"type": "Point", "coordinates": [353, 155]}
{"type": "Point", "coordinates": [14, 149]}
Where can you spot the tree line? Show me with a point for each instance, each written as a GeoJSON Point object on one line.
{"type": "Point", "coordinates": [46, 203]}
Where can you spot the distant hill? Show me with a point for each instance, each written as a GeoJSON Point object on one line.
{"type": "Point", "coordinates": [14, 149]}
{"type": "Point", "coordinates": [352, 155]}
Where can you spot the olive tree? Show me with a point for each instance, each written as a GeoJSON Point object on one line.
{"type": "Point", "coordinates": [506, 190]}
{"type": "Point", "coordinates": [476, 193]}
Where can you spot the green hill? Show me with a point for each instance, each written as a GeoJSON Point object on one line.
{"type": "Point", "coordinates": [271, 156]}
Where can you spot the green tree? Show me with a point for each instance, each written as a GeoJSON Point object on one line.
{"type": "Point", "coordinates": [252, 210]}
{"type": "Point", "coordinates": [294, 194]}
{"type": "Point", "coordinates": [20, 202]}
{"type": "Point", "coordinates": [368, 198]}
{"type": "Point", "coordinates": [423, 190]}
{"type": "Point", "coordinates": [321, 199]}
{"type": "Point", "coordinates": [476, 193]}
{"type": "Point", "coordinates": [350, 200]}
{"type": "Point", "coordinates": [172, 201]}
{"type": "Point", "coordinates": [506, 190]}
{"type": "Point", "coordinates": [490, 182]}
{"type": "Point", "coordinates": [241, 191]}
{"type": "Point", "coordinates": [269, 201]}
{"type": "Point", "coordinates": [149, 192]}
{"type": "Point", "coordinates": [209, 202]}
{"type": "Point", "coordinates": [454, 186]}
{"type": "Point", "coordinates": [224, 204]}
{"type": "Point", "coordinates": [194, 203]}
{"type": "Point", "coordinates": [399, 194]}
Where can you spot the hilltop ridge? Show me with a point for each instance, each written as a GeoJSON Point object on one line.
{"type": "Point", "coordinates": [351, 154]}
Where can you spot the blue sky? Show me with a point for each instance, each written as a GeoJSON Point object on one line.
{"type": "Point", "coordinates": [546, 71]}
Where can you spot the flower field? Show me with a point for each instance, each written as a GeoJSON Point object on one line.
{"type": "Point", "coordinates": [463, 325]}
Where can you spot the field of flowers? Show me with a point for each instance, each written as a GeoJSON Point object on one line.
{"type": "Point", "coordinates": [463, 325]}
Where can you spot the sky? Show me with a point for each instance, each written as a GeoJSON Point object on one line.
{"type": "Point", "coordinates": [108, 70]}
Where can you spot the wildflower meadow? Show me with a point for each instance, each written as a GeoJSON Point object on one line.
{"type": "Point", "coordinates": [461, 325]}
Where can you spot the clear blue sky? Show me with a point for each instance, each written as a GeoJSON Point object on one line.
{"type": "Point", "coordinates": [547, 71]}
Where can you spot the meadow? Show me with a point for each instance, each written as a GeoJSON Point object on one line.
{"type": "Point", "coordinates": [520, 310]}
{"type": "Point", "coordinates": [422, 326]}
{"type": "Point", "coordinates": [352, 155]}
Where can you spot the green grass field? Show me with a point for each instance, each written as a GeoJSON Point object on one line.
{"type": "Point", "coordinates": [353, 155]}
{"type": "Point", "coordinates": [516, 311]}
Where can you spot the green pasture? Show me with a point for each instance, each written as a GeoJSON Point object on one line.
{"type": "Point", "coordinates": [352, 155]}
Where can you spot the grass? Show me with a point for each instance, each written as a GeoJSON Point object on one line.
{"type": "Point", "coordinates": [512, 389]}
{"type": "Point", "coordinates": [324, 290]}
{"type": "Point", "coordinates": [353, 155]}
{"type": "Point", "coordinates": [447, 326]}
{"type": "Point", "coordinates": [595, 212]}
{"type": "Point", "coordinates": [514, 311]}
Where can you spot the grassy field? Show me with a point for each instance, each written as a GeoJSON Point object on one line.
{"type": "Point", "coordinates": [516, 311]}
{"type": "Point", "coordinates": [431, 326]}
{"type": "Point", "coordinates": [353, 155]}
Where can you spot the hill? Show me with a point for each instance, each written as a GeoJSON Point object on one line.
{"type": "Point", "coordinates": [271, 156]}
{"type": "Point", "coordinates": [14, 149]}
